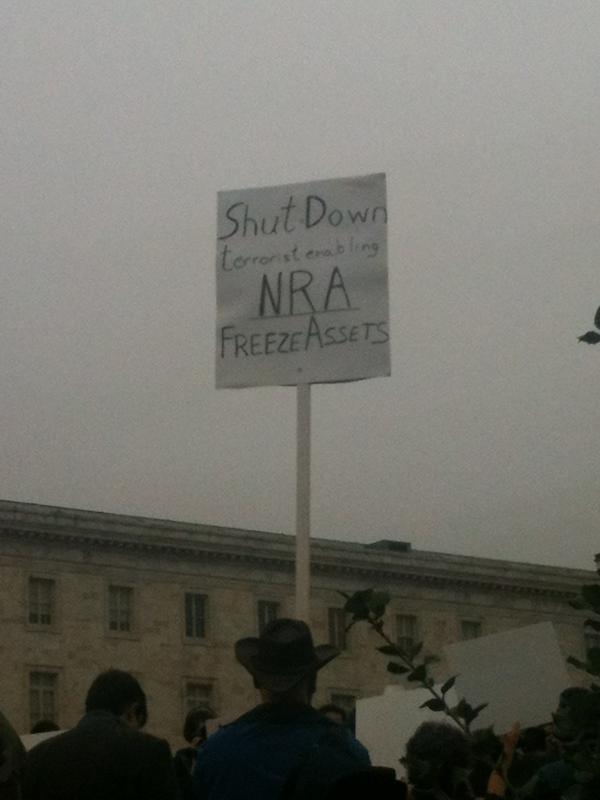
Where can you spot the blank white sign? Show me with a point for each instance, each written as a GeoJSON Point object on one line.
{"type": "Point", "coordinates": [520, 673]}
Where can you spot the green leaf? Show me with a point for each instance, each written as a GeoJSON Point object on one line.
{"type": "Point", "coordinates": [358, 604]}
{"type": "Point", "coordinates": [431, 660]}
{"type": "Point", "coordinates": [576, 662]}
{"type": "Point", "coordinates": [390, 650]}
{"type": "Point", "coordinates": [593, 665]}
{"type": "Point", "coordinates": [473, 713]}
{"type": "Point", "coordinates": [579, 604]}
{"type": "Point", "coordinates": [591, 595]}
{"type": "Point", "coordinates": [396, 669]}
{"type": "Point", "coordinates": [418, 674]}
{"type": "Point", "coordinates": [414, 651]}
{"type": "Point", "coordinates": [462, 709]}
{"type": "Point", "coordinates": [584, 776]}
{"type": "Point", "coordinates": [449, 684]}
{"type": "Point", "coordinates": [435, 704]}
{"type": "Point", "coordinates": [377, 603]}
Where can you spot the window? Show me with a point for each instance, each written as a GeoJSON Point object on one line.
{"type": "Point", "coordinates": [195, 615]}
{"type": "Point", "coordinates": [344, 700]}
{"type": "Point", "coordinates": [337, 627]}
{"type": "Point", "coordinates": [42, 696]}
{"type": "Point", "coordinates": [470, 629]}
{"type": "Point", "coordinates": [406, 631]}
{"type": "Point", "coordinates": [41, 601]}
{"type": "Point", "coordinates": [268, 610]}
{"type": "Point", "coordinates": [198, 695]}
{"type": "Point", "coordinates": [120, 609]}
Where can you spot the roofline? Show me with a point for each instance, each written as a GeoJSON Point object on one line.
{"type": "Point", "coordinates": [193, 541]}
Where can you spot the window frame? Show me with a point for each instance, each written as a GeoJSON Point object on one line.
{"type": "Point", "coordinates": [264, 602]}
{"type": "Point", "coordinates": [190, 680]}
{"type": "Point", "coordinates": [416, 633]}
{"type": "Point", "coordinates": [206, 617]}
{"type": "Point", "coordinates": [133, 632]}
{"type": "Point", "coordinates": [339, 626]}
{"type": "Point", "coordinates": [43, 669]}
{"type": "Point", "coordinates": [54, 626]}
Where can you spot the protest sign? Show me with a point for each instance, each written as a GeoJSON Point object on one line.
{"type": "Point", "coordinates": [385, 723]}
{"type": "Point", "coordinates": [302, 283]}
{"type": "Point", "coordinates": [30, 740]}
{"type": "Point", "coordinates": [519, 673]}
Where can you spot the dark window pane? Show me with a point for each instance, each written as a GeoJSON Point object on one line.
{"type": "Point", "coordinates": [41, 601]}
{"type": "Point", "coordinates": [195, 615]}
{"type": "Point", "coordinates": [42, 696]}
{"type": "Point", "coordinates": [267, 612]}
{"type": "Point", "coordinates": [120, 608]}
{"type": "Point", "coordinates": [198, 695]}
{"type": "Point", "coordinates": [406, 631]}
{"type": "Point", "coordinates": [337, 627]}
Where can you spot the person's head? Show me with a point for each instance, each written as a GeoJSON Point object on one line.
{"type": "Point", "coordinates": [486, 749]}
{"type": "Point", "coordinates": [533, 740]}
{"type": "Point", "coordinates": [121, 694]}
{"type": "Point", "coordinates": [575, 708]}
{"type": "Point", "coordinates": [334, 713]}
{"type": "Point", "coordinates": [194, 727]}
{"type": "Point", "coordinates": [438, 756]}
{"type": "Point", "coordinates": [44, 726]}
{"type": "Point", "coordinates": [283, 661]}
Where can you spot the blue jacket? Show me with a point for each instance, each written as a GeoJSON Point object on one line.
{"type": "Point", "coordinates": [253, 756]}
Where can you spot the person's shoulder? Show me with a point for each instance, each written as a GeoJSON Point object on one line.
{"type": "Point", "coordinates": [234, 728]}
{"type": "Point", "coordinates": [51, 743]}
{"type": "Point", "coordinates": [222, 737]}
{"type": "Point", "coordinates": [360, 750]}
{"type": "Point", "coordinates": [148, 742]}
{"type": "Point", "coordinates": [227, 738]}
{"type": "Point", "coordinates": [115, 729]}
{"type": "Point", "coordinates": [51, 749]}
{"type": "Point", "coordinates": [341, 737]}
{"type": "Point", "coordinates": [12, 752]}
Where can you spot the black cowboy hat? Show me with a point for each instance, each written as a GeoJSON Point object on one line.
{"type": "Point", "coordinates": [283, 654]}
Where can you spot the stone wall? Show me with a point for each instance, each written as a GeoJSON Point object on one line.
{"type": "Point", "coordinates": [85, 552]}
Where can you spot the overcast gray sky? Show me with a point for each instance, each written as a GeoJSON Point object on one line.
{"type": "Point", "coordinates": [121, 120]}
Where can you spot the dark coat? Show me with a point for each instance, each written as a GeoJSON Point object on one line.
{"type": "Point", "coordinates": [12, 760]}
{"type": "Point", "coordinates": [251, 758]}
{"type": "Point", "coordinates": [102, 758]}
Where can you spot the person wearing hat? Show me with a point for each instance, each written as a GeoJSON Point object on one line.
{"type": "Point", "coordinates": [255, 755]}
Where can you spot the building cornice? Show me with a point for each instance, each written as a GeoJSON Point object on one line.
{"type": "Point", "coordinates": [161, 539]}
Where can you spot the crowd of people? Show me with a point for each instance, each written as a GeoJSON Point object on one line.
{"type": "Point", "coordinates": [283, 749]}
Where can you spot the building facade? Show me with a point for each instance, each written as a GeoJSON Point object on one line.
{"type": "Point", "coordinates": [83, 591]}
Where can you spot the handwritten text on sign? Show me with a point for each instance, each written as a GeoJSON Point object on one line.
{"type": "Point", "coordinates": [302, 283]}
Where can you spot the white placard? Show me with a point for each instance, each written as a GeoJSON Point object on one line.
{"type": "Point", "coordinates": [519, 673]}
{"type": "Point", "coordinates": [31, 739]}
{"type": "Point", "coordinates": [385, 723]}
{"type": "Point", "coordinates": [302, 291]}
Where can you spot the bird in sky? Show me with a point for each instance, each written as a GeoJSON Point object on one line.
{"type": "Point", "coordinates": [592, 337]}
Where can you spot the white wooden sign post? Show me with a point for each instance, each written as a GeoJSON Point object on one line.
{"type": "Point", "coordinates": [302, 298]}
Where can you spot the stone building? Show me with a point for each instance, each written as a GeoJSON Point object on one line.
{"type": "Point", "coordinates": [83, 591]}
